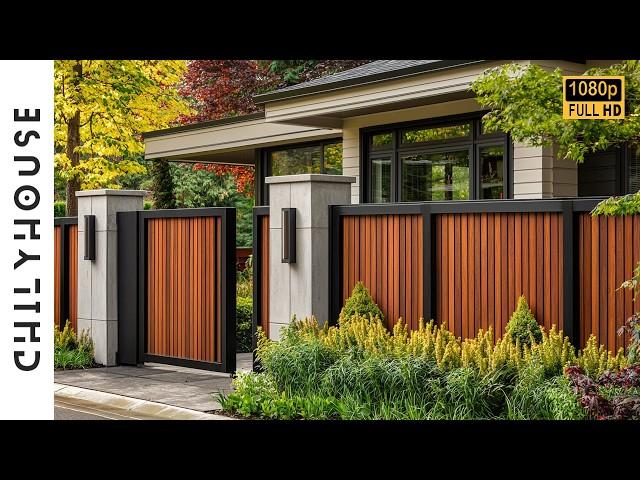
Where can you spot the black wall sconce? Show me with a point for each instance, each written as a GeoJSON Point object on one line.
{"type": "Point", "coordinates": [89, 237]}
{"type": "Point", "coordinates": [288, 235]}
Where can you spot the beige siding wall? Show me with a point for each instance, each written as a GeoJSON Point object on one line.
{"type": "Point", "coordinates": [537, 173]}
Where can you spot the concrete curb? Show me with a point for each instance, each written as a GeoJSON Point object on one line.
{"type": "Point", "coordinates": [135, 407]}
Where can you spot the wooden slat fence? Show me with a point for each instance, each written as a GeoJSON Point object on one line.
{"type": "Point", "coordinates": [609, 251]}
{"type": "Point", "coordinates": [260, 270]}
{"type": "Point", "coordinates": [177, 295]}
{"type": "Point", "coordinates": [466, 263]}
{"type": "Point", "coordinates": [65, 265]}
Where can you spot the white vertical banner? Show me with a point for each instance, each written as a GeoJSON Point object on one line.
{"type": "Point", "coordinates": [26, 233]}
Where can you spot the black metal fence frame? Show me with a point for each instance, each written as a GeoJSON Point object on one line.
{"type": "Point", "coordinates": [258, 212]}
{"type": "Point", "coordinates": [64, 223]}
{"type": "Point", "coordinates": [566, 206]}
{"type": "Point", "coordinates": [132, 287]}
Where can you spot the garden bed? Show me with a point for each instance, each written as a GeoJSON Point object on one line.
{"type": "Point", "coordinates": [360, 370]}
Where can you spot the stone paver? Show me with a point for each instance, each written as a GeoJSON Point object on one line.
{"type": "Point", "coordinates": [177, 386]}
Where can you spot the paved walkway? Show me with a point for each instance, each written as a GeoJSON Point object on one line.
{"type": "Point", "coordinates": [177, 386]}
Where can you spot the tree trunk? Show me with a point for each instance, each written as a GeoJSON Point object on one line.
{"type": "Point", "coordinates": [73, 141]}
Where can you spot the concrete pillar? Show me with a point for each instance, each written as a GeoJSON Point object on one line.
{"type": "Point", "coordinates": [302, 288]}
{"type": "Point", "coordinates": [98, 279]}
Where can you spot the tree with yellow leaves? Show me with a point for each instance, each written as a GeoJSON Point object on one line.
{"type": "Point", "coordinates": [101, 109]}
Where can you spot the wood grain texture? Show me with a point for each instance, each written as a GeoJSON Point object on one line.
{"type": "Point", "coordinates": [385, 253]}
{"type": "Point", "coordinates": [488, 260]}
{"type": "Point", "coordinates": [72, 269]}
{"type": "Point", "coordinates": [57, 287]}
{"type": "Point", "coordinates": [183, 288]}
{"type": "Point", "coordinates": [609, 250]}
{"type": "Point", "coordinates": [264, 269]}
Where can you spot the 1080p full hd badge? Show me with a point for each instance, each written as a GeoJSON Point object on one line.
{"type": "Point", "coordinates": [593, 97]}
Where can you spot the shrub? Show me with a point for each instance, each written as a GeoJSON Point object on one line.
{"type": "Point", "coordinates": [59, 209]}
{"type": "Point", "coordinates": [613, 396]}
{"type": "Point", "coordinates": [595, 359]}
{"type": "Point", "coordinates": [616, 206]}
{"type": "Point", "coordinates": [360, 303]}
{"type": "Point", "coordinates": [244, 281]}
{"type": "Point", "coordinates": [632, 324]}
{"type": "Point", "coordinates": [522, 326]}
{"type": "Point", "coordinates": [244, 314]}
{"type": "Point", "coordinates": [70, 350]}
{"type": "Point", "coordinates": [148, 205]}
{"type": "Point", "coordinates": [361, 370]}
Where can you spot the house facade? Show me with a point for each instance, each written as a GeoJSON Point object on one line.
{"type": "Point", "coordinates": [407, 130]}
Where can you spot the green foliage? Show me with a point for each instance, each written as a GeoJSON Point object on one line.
{"type": "Point", "coordinates": [526, 101]}
{"type": "Point", "coordinates": [619, 206]}
{"type": "Point", "coordinates": [522, 326]}
{"type": "Point", "coordinates": [70, 350]}
{"type": "Point", "coordinates": [360, 370]}
{"type": "Point", "coordinates": [59, 209]}
{"type": "Point", "coordinates": [360, 303]}
{"type": "Point", "coordinates": [537, 397]}
{"type": "Point", "coordinates": [162, 186]}
{"type": "Point", "coordinates": [148, 205]}
{"type": "Point", "coordinates": [244, 281]}
{"type": "Point", "coordinates": [244, 313]}
{"type": "Point", "coordinates": [197, 188]}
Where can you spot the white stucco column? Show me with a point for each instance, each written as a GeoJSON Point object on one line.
{"type": "Point", "coordinates": [302, 288]}
{"type": "Point", "coordinates": [98, 279]}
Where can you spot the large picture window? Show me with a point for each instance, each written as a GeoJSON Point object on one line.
{"type": "Point", "coordinates": [446, 159]}
{"type": "Point", "coordinates": [317, 157]}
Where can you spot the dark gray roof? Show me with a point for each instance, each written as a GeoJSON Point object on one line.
{"type": "Point", "coordinates": [367, 73]}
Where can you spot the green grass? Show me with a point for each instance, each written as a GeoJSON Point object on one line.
{"type": "Point", "coordinates": [70, 359]}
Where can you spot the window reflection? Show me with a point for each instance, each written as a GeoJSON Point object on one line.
{"type": "Point", "coordinates": [492, 172]}
{"type": "Point", "coordinates": [436, 133]}
{"type": "Point", "coordinates": [435, 176]}
{"type": "Point", "coordinates": [381, 180]}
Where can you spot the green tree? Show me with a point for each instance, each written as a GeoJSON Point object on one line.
{"type": "Point", "coordinates": [101, 108]}
{"type": "Point", "coordinates": [162, 184]}
{"type": "Point", "coordinates": [526, 101]}
{"type": "Point", "coordinates": [196, 187]}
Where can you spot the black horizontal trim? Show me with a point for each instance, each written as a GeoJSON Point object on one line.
{"type": "Point", "coordinates": [201, 125]}
{"type": "Point", "coordinates": [65, 221]}
{"type": "Point", "coordinates": [261, 211]}
{"type": "Point", "coordinates": [362, 80]}
{"type": "Point", "coordinates": [471, 206]}
{"type": "Point", "coordinates": [185, 212]}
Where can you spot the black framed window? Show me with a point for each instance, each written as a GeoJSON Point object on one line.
{"type": "Point", "coordinates": [449, 158]}
{"type": "Point", "coordinates": [313, 157]}
{"type": "Point", "coordinates": [615, 171]}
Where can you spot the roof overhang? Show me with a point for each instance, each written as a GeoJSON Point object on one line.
{"type": "Point", "coordinates": [232, 141]}
{"type": "Point", "coordinates": [431, 84]}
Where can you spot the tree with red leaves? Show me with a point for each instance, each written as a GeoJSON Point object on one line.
{"type": "Point", "coordinates": [225, 88]}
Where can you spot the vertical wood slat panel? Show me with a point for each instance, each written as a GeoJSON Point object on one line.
{"type": "Point", "coordinates": [72, 268]}
{"type": "Point", "coordinates": [264, 270]}
{"type": "Point", "coordinates": [57, 287]}
{"type": "Point", "coordinates": [609, 249]}
{"type": "Point", "coordinates": [497, 265]}
{"type": "Point", "coordinates": [384, 253]}
{"type": "Point", "coordinates": [183, 294]}
{"type": "Point", "coordinates": [71, 288]}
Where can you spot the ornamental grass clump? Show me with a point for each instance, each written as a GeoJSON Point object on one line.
{"type": "Point", "coordinates": [522, 326]}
